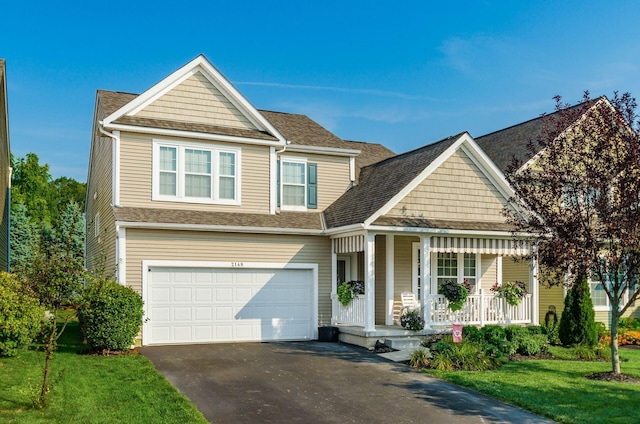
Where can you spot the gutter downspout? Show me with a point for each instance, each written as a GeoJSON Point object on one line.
{"type": "Point", "coordinates": [277, 152]}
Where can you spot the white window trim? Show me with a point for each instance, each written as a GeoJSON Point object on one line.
{"type": "Point", "coordinates": [293, 159]}
{"type": "Point", "coordinates": [180, 147]}
{"type": "Point", "coordinates": [460, 277]}
{"type": "Point", "coordinates": [607, 307]}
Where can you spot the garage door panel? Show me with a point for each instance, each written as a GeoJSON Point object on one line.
{"type": "Point", "coordinates": [209, 305]}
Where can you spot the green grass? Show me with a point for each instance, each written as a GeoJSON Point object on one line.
{"type": "Point", "coordinates": [559, 390]}
{"type": "Point", "coordinates": [90, 389]}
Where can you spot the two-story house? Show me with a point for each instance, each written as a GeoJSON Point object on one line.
{"type": "Point", "coordinates": [237, 224]}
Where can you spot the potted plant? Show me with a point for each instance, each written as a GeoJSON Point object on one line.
{"type": "Point", "coordinates": [455, 293]}
{"type": "Point", "coordinates": [412, 320]}
{"type": "Point", "coordinates": [511, 291]}
{"type": "Point", "coordinates": [348, 290]}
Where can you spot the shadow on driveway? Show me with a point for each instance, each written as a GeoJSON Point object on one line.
{"type": "Point", "coordinates": [313, 382]}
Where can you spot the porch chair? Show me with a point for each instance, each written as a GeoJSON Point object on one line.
{"type": "Point", "coordinates": [409, 302]}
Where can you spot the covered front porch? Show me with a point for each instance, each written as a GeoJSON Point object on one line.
{"type": "Point", "coordinates": [391, 263]}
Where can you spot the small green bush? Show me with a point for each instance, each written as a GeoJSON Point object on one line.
{"type": "Point", "coordinates": [495, 335]}
{"type": "Point", "coordinates": [630, 323]}
{"type": "Point", "coordinates": [515, 333]}
{"type": "Point", "coordinates": [585, 352]}
{"type": "Point", "coordinates": [419, 358]}
{"type": "Point", "coordinates": [112, 316]}
{"type": "Point", "coordinates": [533, 345]}
{"type": "Point", "coordinates": [465, 356]}
{"type": "Point", "coordinates": [472, 334]}
{"type": "Point", "coordinates": [20, 315]}
{"type": "Point", "coordinates": [535, 329]}
{"type": "Point", "coordinates": [492, 350]}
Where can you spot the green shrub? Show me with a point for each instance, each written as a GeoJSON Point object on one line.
{"type": "Point", "coordinates": [464, 356]}
{"type": "Point", "coordinates": [112, 316]}
{"type": "Point", "coordinates": [551, 331]}
{"type": "Point", "coordinates": [533, 345]}
{"type": "Point", "coordinates": [495, 335]}
{"type": "Point", "coordinates": [630, 323]}
{"type": "Point", "coordinates": [419, 358]}
{"type": "Point", "coordinates": [472, 334]}
{"type": "Point", "coordinates": [492, 350]}
{"type": "Point", "coordinates": [535, 329]}
{"type": "Point", "coordinates": [577, 324]}
{"type": "Point", "coordinates": [585, 352]}
{"type": "Point", "coordinates": [515, 333]}
{"type": "Point", "coordinates": [20, 315]}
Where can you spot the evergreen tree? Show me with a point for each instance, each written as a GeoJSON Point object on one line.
{"type": "Point", "coordinates": [71, 230]}
{"type": "Point", "coordinates": [577, 324]}
{"type": "Point", "coordinates": [24, 238]}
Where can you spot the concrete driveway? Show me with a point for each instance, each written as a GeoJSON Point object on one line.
{"type": "Point", "coordinates": [313, 382]}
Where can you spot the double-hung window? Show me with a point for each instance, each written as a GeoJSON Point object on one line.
{"type": "Point", "coordinates": [195, 173]}
{"type": "Point", "coordinates": [297, 184]}
{"type": "Point", "coordinates": [457, 267]}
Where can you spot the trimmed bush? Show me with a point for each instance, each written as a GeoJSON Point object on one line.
{"type": "Point", "coordinates": [112, 316]}
{"type": "Point", "coordinates": [20, 315]}
{"type": "Point", "coordinates": [495, 335]}
{"type": "Point", "coordinates": [577, 324]}
{"type": "Point", "coordinates": [472, 334]}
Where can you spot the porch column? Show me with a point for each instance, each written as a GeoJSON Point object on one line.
{"type": "Point", "coordinates": [334, 282]}
{"type": "Point", "coordinates": [535, 289]}
{"type": "Point", "coordinates": [425, 279]}
{"type": "Point", "coordinates": [389, 277]}
{"type": "Point", "coordinates": [369, 281]}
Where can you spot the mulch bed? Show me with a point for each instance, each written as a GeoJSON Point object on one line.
{"type": "Point", "coordinates": [609, 376]}
{"type": "Point", "coordinates": [107, 352]}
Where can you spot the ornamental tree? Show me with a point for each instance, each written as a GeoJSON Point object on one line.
{"type": "Point", "coordinates": [582, 193]}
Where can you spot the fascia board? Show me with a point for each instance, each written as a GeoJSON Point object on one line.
{"type": "Point", "coordinates": [189, 134]}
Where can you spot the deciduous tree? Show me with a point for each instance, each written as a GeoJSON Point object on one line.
{"type": "Point", "coordinates": [582, 192]}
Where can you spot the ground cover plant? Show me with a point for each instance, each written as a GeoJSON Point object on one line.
{"type": "Point", "coordinates": [90, 388]}
{"type": "Point", "coordinates": [560, 389]}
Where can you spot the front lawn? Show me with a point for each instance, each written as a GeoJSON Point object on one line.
{"type": "Point", "coordinates": [90, 389]}
{"type": "Point", "coordinates": [558, 389]}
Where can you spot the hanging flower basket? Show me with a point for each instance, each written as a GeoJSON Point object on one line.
{"type": "Point", "coordinates": [348, 290]}
{"type": "Point", "coordinates": [455, 293]}
{"type": "Point", "coordinates": [511, 291]}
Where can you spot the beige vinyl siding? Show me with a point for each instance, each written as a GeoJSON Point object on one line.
{"type": "Point", "coordinates": [101, 249]}
{"type": "Point", "coordinates": [455, 191]}
{"type": "Point", "coordinates": [333, 176]}
{"type": "Point", "coordinates": [196, 100]}
{"type": "Point", "coordinates": [136, 170]}
{"type": "Point", "coordinates": [231, 247]}
{"type": "Point", "coordinates": [551, 296]}
{"type": "Point", "coordinates": [488, 272]}
{"type": "Point", "coordinates": [4, 173]}
{"type": "Point", "coordinates": [381, 280]}
{"type": "Point", "coordinates": [403, 268]}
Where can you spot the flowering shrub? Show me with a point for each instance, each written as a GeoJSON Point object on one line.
{"type": "Point", "coordinates": [412, 320]}
{"type": "Point", "coordinates": [455, 293]}
{"type": "Point", "coordinates": [511, 291]}
{"type": "Point", "coordinates": [629, 337]}
{"type": "Point", "coordinates": [348, 290]}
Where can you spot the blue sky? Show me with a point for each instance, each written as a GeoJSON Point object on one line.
{"type": "Point", "coordinates": [402, 73]}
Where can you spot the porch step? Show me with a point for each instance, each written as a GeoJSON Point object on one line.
{"type": "Point", "coordinates": [405, 343]}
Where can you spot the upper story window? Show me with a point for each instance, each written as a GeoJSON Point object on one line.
{"type": "Point", "coordinates": [297, 184]}
{"type": "Point", "coordinates": [195, 173]}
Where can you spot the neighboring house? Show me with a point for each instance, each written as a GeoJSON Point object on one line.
{"type": "Point", "coordinates": [502, 146]}
{"type": "Point", "coordinates": [5, 171]}
{"type": "Point", "coordinates": [237, 224]}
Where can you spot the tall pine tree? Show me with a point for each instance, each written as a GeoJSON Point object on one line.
{"type": "Point", "coordinates": [577, 324]}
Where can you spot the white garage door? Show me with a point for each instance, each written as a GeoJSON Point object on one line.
{"type": "Point", "coordinates": [199, 305]}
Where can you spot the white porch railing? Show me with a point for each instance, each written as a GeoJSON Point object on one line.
{"type": "Point", "coordinates": [479, 309]}
{"type": "Point", "coordinates": [352, 314]}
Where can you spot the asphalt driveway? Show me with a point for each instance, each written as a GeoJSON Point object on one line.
{"type": "Point", "coordinates": [313, 382]}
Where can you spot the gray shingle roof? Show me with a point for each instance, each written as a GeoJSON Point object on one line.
{"type": "Point", "coordinates": [370, 153]}
{"type": "Point", "coordinates": [505, 144]}
{"type": "Point", "coordinates": [380, 182]}
{"type": "Point", "coordinates": [290, 220]}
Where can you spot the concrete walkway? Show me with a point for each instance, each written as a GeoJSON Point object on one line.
{"type": "Point", "coordinates": [313, 382]}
